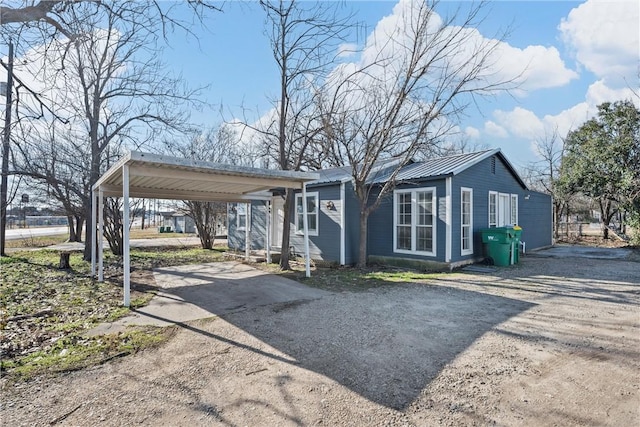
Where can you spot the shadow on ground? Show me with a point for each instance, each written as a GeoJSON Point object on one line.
{"type": "Point", "coordinates": [386, 344]}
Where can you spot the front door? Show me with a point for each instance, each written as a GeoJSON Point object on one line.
{"type": "Point", "coordinates": [277, 221]}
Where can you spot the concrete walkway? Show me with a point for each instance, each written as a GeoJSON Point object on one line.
{"type": "Point", "coordinates": [140, 243]}
{"type": "Point", "coordinates": [192, 292]}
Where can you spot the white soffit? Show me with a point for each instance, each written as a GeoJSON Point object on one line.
{"type": "Point", "coordinates": [165, 177]}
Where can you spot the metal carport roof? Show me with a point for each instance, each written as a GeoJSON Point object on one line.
{"type": "Point", "coordinates": [147, 175]}
{"type": "Point", "coordinates": [166, 177]}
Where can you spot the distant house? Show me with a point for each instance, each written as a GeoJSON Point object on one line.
{"type": "Point", "coordinates": [433, 216]}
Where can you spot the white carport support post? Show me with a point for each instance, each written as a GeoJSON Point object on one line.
{"type": "Point", "coordinates": [267, 237]}
{"type": "Point", "coordinates": [247, 232]}
{"type": "Point", "coordinates": [93, 235]}
{"type": "Point", "coordinates": [305, 227]}
{"type": "Point", "coordinates": [99, 235]}
{"type": "Point", "coordinates": [125, 235]}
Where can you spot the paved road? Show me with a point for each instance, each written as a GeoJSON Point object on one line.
{"type": "Point", "coordinates": [26, 233]}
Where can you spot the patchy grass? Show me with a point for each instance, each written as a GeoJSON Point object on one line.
{"type": "Point", "coordinates": [153, 233]}
{"type": "Point", "coordinates": [75, 351]}
{"type": "Point", "coordinates": [36, 241]}
{"type": "Point", "coordinates": [148, 258]}
{"type": "Point", "coordinates": [45, 312]}
{"type": "Point", "coordinates": [350, 279]}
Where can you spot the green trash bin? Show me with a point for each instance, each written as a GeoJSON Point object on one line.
{"type": "Point", "coordinates": [517, 230]}
{"type": "Point", "coordinates": [161, 229]}
{"type": "Point", "coordinates": [498, 243]}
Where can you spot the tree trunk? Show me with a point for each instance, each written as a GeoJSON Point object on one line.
{"type": "Point", "coordinates": [64, 261]}
{"type": "Point", "coordinates": [88, 237]}
{"type": "Point", "coordinates": [79, 224]}
{"type": "Point", "coordinates": [72, 228]}
{"type": "Point", "coordinates": [286, 230]}
{"type": "Point", "coordinates": [362, 250]}
{"type": "Point", "coordinates": [604, 214]}
{"type": "Point", "coordinates": [143, 215]}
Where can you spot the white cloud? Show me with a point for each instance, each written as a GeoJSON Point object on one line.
{"type": "Point", "coordinates": [520, 122]}
{"type": "Point", "coordinates": [493, 129]}
{"type": "Point", "coordinates": [604, 37]}
{"type": "Point", "coordinates": [599, 92]}
{"type": "Point", "coordinates": [538, 67]}
{"type": "Point", "coordinates": [569, 119]}
{"type": "Point", "coordinates": [472, 132]}
{"type": "Point", "coordinates": [346, 50]}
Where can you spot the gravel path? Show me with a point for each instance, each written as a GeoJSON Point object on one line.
{"type": "Point", "coordinates": [548, 342]}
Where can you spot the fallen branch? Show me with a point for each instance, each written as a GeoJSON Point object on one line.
{"type": "Point", "coordinates": [64, 416]}
{"type": "Point", "coordinates": [41, 313]}
{"type": "Point", "coordinates": [255, 372]}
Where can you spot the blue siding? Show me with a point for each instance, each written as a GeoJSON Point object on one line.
{"type": "Point", "coordinates": [532, 214]}
{"type": "Point", "coordinates": [236, 238]}
{"type": "Point", "coordinates": [380, 225]}
{"type": "Point", "coordinates": [536, 219]}
{"type": "Point", "coordinates": [326, 245]}
{"type": "Point", "coordinates": [352, 225]}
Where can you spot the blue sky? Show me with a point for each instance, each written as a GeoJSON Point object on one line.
{"type": "Point", "coordinates": [572, 47]}
{"type": "Point", "coordinates": [577, 55]}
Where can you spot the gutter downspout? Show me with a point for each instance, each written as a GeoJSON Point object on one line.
{"type": "Point", "coordinates": [342, 225]}
{"type": "Point", "coordinates": [448, 219]}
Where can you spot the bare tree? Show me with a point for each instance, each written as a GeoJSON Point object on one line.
{"type": "Point", "coordinates": [57, 16]}
{"type": "Point", "coordinates": [112, 87]}
{"type": "Point", "coordinates": [404, 96]}
{"type": "Point", "coordinates": [544, 174]}
{"type": "Point", "coordinates": [56, 164]}
{"type": "Point", "coordinates": [216, 145]}
{"type": "Point", "coordinates": [304, 39]}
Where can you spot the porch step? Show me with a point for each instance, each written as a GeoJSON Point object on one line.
{"type": "Point", "coordinates": [254, 256]}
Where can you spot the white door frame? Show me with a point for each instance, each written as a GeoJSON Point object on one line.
{"type": "Point", "coordinates": [277, 207]}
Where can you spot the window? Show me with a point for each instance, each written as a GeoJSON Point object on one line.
{"type": "Point", "coordinates": [404, 221]}
{"type": "Point", "coordinates": [241, 216]}
{"type": "Point", "coordinates": [493, 209]}
{"type": "Point", "coordinates": [503, 209]}
{"type": "Point", "coordinates": [414, 221]}
{"type": "Point", "coordinates": [312, 214]}
{"type": "Point", "coordinates": [466, 221]}
{"type": "Point", "coordinates": [514, 209]}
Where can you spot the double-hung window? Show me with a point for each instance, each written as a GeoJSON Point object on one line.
{"type": "Point", "coordinates": [503, 209]}
{"type": "Point", "coordinates": [514, 209]}
{"type": "Point", "coordinates": [466, 221]}
{"type": "Point", "coordinates": [241, 216]}
{"type": "Point", "coordinates": [493, 209]}
{"type": "Point", "coordinates": [312, 214]}
{"type": "Point", "coordinates": [414, 221]}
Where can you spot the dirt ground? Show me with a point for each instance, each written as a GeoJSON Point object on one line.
{"type": "Point", "coordinates": [552, 341]}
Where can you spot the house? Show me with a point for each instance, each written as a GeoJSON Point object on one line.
{"type": "Point", "coordinates": [433, 217]}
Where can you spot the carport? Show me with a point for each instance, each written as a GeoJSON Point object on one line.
{"type": "Point", "coordinates": [148, 175]}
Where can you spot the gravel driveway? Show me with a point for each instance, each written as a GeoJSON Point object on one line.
{"type": "Point", "coordinates": [551, 341]}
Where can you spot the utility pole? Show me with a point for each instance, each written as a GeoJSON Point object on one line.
{"type": "Point", "coordinates": [5, 152]}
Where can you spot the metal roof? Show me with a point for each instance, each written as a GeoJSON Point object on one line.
{"type": "Point", "coordinates": [345, 173]}
{"type": "Point", "coordinates": [449, 165]}
{"type": "Point", "coordinates": [333, 175]}
{"type": "Point", "coordinates": [173, 178]}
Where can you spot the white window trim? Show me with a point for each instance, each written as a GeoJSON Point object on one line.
{"type": "Point", "coordinates": [241, 225]}
{"type": "Point", "coordinates": [497, 204]}
{"type": "Point", "coordinates": [414, 210]}
{"type": "Point", "coordinates": [470, 250]}
{"type": "Point", "coordinates": [513, 199]}
{"type": "Point", "coordinates": [298, 227]}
